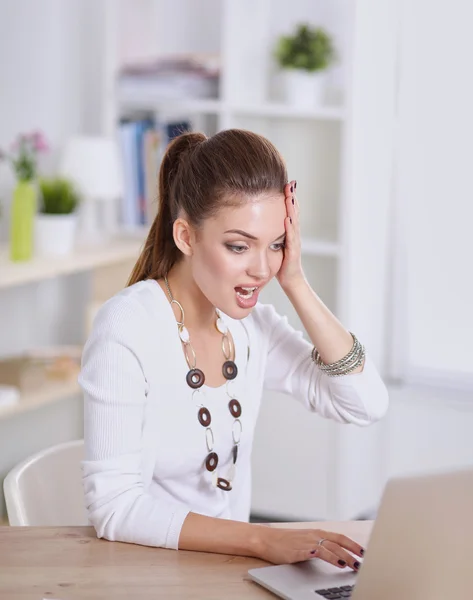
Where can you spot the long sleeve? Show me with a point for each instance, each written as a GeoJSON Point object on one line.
{"type": "Point", "coordinates": [359, 398]}
{"type": "Point", "coordinates": [115, 397]}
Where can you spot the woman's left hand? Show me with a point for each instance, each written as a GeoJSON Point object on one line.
{"type": "Point", "coordinates": [291, 273]}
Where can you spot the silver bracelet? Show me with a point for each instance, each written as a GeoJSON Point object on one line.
{"type": "Point", "coordinates": [345, 365]}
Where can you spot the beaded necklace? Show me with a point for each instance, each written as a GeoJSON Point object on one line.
{"type": "Point", "coordinates": [195, 379]}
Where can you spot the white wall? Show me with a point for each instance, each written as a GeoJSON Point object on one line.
{"type": "Point", "coordinates": [434, 193]}
{"type": "Point", "coordinates": [49, 80]}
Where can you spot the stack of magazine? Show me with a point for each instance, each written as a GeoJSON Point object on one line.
{"type": "Point", "coordinates": [171, 78]}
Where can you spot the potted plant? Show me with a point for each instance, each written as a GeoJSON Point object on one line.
{"type": "Point", "coordinates": [56, 221]}
{"type": "Point", "coordinates": [304, 58]}
{"type": "Point", "coordinates": [24, 160]}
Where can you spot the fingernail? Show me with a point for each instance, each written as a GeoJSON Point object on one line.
{"type": "Point", "coordinates": [295, 184]}
{"type": "Point", "coordinates": [313, 551]}
{"type": "Point", "coordinates": [356, 564]}
{"type": "Point", "coordinates": [362, 552]}
{"type": "Point", "coordinates": [293, 200]}
{"type": "Point", "coordinates": [290, 220]}
{"type": "Point", "coordinates": [342, 563]}
{"type": "Point", "coordinates": [292, 189]}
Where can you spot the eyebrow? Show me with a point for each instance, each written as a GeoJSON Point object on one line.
{"type": "Point", "coordinates": [248, 235]}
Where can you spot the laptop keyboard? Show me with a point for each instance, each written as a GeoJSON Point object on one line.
{"type": "Point", "coordinates": [344, 591]}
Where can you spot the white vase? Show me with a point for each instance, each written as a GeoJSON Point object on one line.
{"type": "Point", "coordinates": [304, 89]}
{"type": "Point", "coordinates": [55, 234]}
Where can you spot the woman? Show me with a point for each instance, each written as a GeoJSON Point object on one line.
{"type": "Point", "coordinates": [176, 363]}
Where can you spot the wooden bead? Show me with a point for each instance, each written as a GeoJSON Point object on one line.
{"type": "Point", "coordinates": [211, 462]}
{"type": "Point", "coordinates": [224, 484]}
{"type": "Point", "coordinates": [204, 416]}
{"type": "Point", "coordinates": [195, 378]}
{"type": "Point", "coordinates": [229, 369]}
{"type": "Point", "coordinates": [235, 408]}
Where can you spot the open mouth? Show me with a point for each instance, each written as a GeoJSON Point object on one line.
{"type": "Point", "coordinates": [245, 293]}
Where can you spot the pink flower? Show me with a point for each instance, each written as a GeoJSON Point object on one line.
{"type": "Point", "coordinates": [39, 141]}
{"type": "Point", "coordinates": [24, 154]}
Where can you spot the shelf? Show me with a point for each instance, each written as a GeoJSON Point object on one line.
{"type": "Point", "coordinates": [53, 392]}
{"type": "Point", "coordinates": [142, 99]}
{"type": "Point", "coordinates": [37, 269]}
{"type": "Point", "coordinates": [286, 111]}
{"type": "Point", "coordinates": [145, 99]}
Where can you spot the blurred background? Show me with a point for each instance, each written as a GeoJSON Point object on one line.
{"type": "Point", "coordinates": [370, 103]}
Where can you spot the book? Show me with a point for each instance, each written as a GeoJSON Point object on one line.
{"type": "Point", "coordinates": [143, 142]}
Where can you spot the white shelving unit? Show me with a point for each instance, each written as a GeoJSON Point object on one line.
{"type": "Point", "coordinates": [335, 152]}
{"type": "Point", "coordinates": [84, 259]}
{"type": "Point", "coordinates": [119, 250]}
{"type": "Point", "coordinates": [53, 392]}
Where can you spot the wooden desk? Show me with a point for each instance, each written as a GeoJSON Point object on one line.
{"type": "Point", "coordinates": [69, 563]}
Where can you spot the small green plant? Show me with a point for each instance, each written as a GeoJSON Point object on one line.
{"type": "Point", "coordinates": [310, 49]}
{"type": "Point", "coordinates": [58, 196]}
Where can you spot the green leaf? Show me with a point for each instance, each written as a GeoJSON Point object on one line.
{"type": "Point", "coordinates": [310, 48]}
{"type": "Point", "coordinates": [58, 196]}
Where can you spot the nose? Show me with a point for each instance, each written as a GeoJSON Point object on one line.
{"type": "Point", "coordinates": [259, 268]}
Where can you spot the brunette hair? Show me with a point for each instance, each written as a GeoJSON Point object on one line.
{"type": "Point", "coordinates": [198, 176]}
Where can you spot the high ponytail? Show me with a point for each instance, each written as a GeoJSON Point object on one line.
{"type": "Point", "coordinates": [160, 252]}
{"type": "Point", "coordinates": [199, 175]}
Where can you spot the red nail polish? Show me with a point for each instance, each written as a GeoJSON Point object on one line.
{"type": "Point", "coordinates": [292, 189]}
{"type": "Point", "coordinates": [313, 551]}
{"type": "Point", "coordinates": [295, 184]}
{"type": "Point", "coordinates": [293, 200]}
{"type": "Point", "coordinates": [290, 220]}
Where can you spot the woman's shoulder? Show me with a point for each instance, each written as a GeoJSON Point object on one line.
{"type": "Point", "coordinates": [134, 308]}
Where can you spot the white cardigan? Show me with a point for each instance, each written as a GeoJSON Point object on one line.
{"type": "Point", "coordinates": [144, 447]}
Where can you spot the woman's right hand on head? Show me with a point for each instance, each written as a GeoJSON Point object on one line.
{"type": "Point", "coordinates": [284, 546]}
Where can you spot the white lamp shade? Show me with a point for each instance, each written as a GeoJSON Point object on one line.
{"type": "Point", "coordinates": [93, 164]}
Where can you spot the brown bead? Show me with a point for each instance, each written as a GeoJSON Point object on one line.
{"type": "Point", "coordinates": [195, 378]}
{"type": "Point", "coordinates": [224, 484]}
{"type": "Point", "coordinates": [229, 370]}
{"type": "Point", "coordinates": [204, 416]}
{"type": "Point", "coordinates": [211, 461]}
{"type": "Point", "coordinates": [235, 453]}
{"type": "Point", "coordinates": [235, 408]}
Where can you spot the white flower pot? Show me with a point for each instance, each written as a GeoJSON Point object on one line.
{"type": "Point", "coordinates": [303, 88]}
{"type": "Point", "coordinates": [55, 234]}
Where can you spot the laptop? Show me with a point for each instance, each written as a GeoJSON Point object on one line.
{"type": "Point", "coordinates": [420, 548]}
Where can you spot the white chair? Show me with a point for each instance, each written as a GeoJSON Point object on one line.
{"type": "Point", "coordinates": [46, 488]}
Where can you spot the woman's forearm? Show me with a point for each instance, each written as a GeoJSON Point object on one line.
{"type": "Point", "coordinates": [274, 545]}
{"type": "Point", "coordinates": [222, 536]}
{"type": "Point", "coordinates": [326, 332]}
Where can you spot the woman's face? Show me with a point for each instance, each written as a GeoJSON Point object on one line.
{"type": "Point", "coordinates": [242, 247]}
